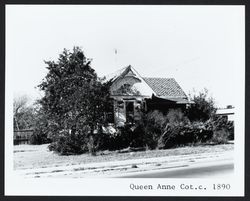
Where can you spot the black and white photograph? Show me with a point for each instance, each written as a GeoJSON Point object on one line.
{"type": "Point", "coordinates": [125, 100]}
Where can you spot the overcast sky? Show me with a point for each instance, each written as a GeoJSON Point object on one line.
{"type": "Point", "coordinates": [199, 46]}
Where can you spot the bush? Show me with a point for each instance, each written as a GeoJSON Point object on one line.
{"type": "Point", "coordinates": [202, 108]}
{"type": "Point", "coordinates": [154, 123]}
{"type": "Point", "coordinates": [137, 138]}
{"type": "Point", "coordinates": [220, 136]}
{"type": "Point", "coordinates": [67, 144]}
{"type": "Point", "coordinates": [176, 116]}
{"type": "Point", "coordinates": [230, 130]}
{"type": "Point", "coordinates": [179, 131]}
{"type": "Point", "coordinates": [38, 139]}
{"type": "Point", "coordinates": [41, 127]}
{"type": "Point", "coordinates": [127, 136]}
{"type": "Point", "coordinates": [183, 134]}
{"type": "Point", "coordinates": [174, 129]}
{"type": "Point", "coordinates": [155, 130]}
{"type": "Point", "coordinates": [223, 129]}
{"type": "Point", "coordinates": [115, 141]}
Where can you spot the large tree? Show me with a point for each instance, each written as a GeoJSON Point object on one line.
{"type": "Point", "coordinates": [75, 99]}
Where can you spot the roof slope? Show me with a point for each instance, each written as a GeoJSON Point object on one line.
{"type": "Point", "coordinates": [166, 87]}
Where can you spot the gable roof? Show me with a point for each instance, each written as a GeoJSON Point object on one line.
{"type": "Point", "coordinates": [166, 87]}
{"type": "Point", "coordinates": [138, 83]}
{"type": "Point", "coordinates": [116, 74]}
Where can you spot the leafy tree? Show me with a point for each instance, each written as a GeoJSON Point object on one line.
{"type": "Point", "coordinates": [23, 114]}
{"type": "Point", "coordinates": [202, 108]}
{"type": "Point", "coordinates": [41, 134]}
{"type": "Point", "coordinates": [75, 99]}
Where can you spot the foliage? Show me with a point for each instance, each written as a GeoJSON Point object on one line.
{"type": "Point", "coordinates": [183, 134]}
{"type": "Point", "coordinates": [156, 130]}
{"type": "Point", "coordinates": [176, 116]}
{"type": "Point", "coordinates": [230, 130]}
{"type": "Point", "coordinates": [75, 99]}
{"type": "Point", "coordinates": [154, 123]}
{"type": "Point", "coordinates": [40, 129]}
{"type": "Point", "coordinates": [202, 108]}
{"type": "Point", "coordinates": [146, 133]}
{"type": "Point", "coordinates": [223, 129]}
{"type": "Point", "coordinates": [37, 139]}
{"type": "Point", "coordinates": [220, 136]}
{"type": "Point", "coordinates": [119, 140]}
{"type": "Point", "coordinates": [23, 114]}
{"type": "Point", "coordinates": [68, 144]}
{"type": "Point", "coordinates": [129, 136]}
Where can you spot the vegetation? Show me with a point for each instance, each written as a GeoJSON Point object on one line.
{"type": "Point", "coordinates": [72, 115]}
{"type": "Point", "coordinates": [203, 107]}
{"type": "Point", "coordinates": [23, 113]}
{"type": "Point", "coordinates": [75, 102]}
{"type": "Point", "coordinates": [30, 117]}
{"type": "Point", "coordinates": [197, 125]}
{"type": "Point", "coordinates": [40, 124]}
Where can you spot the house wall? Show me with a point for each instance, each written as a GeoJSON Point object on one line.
{"type": "Point", "coordinates": [124, 86]}
{"type": "Point", "coordinates": [129, 90]}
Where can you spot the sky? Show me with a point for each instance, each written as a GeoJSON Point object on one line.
{"type": "Point", "coordinates": [200, 46]}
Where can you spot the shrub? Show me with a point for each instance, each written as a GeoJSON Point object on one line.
{"type": "Point", "coordinates": [220, 136]}
{"type": "Point", "coordinates": [176, 116]}
{"type": "Point", "coordinates": [231, 130]}
{"type": "Point", "coordinates": [183, 134]}
{"type": "Point", "coordinates": [67, 143]}
{"type": "Point", "coordinates": [158, 126]}
{"type": "Point", "coordinates": [153, 123]}
{"type": "Point", "coordinates": [40, 131]}
{"type": "Point", "coordinates": [38, 139]}
{"type": "Point", "coordinates": [202, 108]}
{"type": "Point", "coordinates": [132, 136]}
{"type": "Point", "coordinates": [223, 129]}
{"type": "Point", "coordinates": [137, 138]}
{"type": "Point", "coordinates": [115, 141]}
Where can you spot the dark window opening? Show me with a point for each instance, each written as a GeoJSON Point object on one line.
{"type": "Point", "coordinates": [130, 112]}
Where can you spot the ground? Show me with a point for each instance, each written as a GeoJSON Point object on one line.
{"type": "Point", "coordinates": [38, 161]}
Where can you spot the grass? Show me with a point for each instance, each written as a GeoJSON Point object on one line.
{"type": "Point", "coordinates": [38, 156]}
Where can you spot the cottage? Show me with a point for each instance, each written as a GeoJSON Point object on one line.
{"type": "Point", "coordinates": [132, 93]}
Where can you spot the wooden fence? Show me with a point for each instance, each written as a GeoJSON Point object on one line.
{"type": "Point", "coordinates": [22, 136]}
